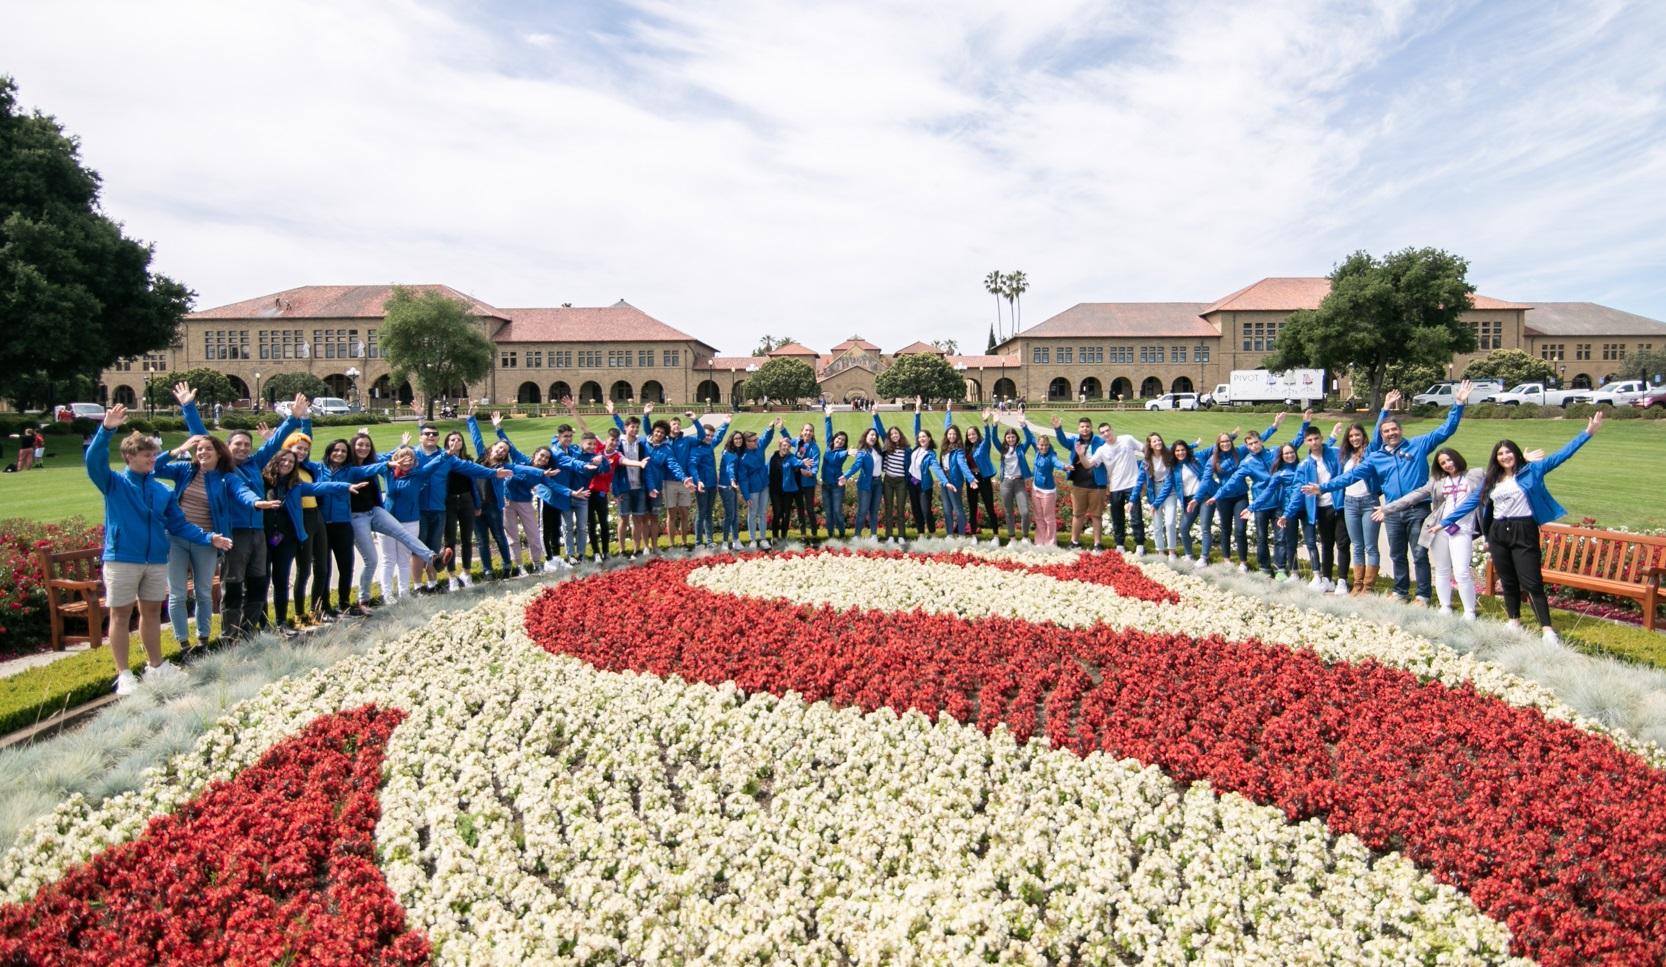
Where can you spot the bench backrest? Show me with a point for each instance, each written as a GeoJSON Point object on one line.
{"type": "Point", "coordinates": [1602, 554]}
{"type": "Point", "coordinates": [86, 564]}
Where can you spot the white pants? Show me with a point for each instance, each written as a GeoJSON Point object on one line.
{"type": "Point", "coordinates": [519, 515]}
{"type": "Point", "coordinates": [1451, 557]}
{"type": "Point", "coordinates": [1166, 519]}
{"type": "Point", "coordinates": [396, 562]}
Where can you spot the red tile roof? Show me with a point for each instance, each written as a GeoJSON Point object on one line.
{"type": "Point", "coordinates": [1125, 319]}
{"type": "Point", "coordinates": [919, 346]}
{"type": "Point", "coordinates": [620, 322]}
{"type": "Point", "coordinates": [793, 349]}
{"type": "Point", "coordinates": [1306, 292]}
{"type": "Point", "coordinates": [1589, 319]}
{"type": "Point", "coordinates": [332, 302]}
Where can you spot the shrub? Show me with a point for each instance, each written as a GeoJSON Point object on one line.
{"type": "Point", "coordinates": [244, 420]}
{"type": "Point", "coordinates": [23, 616]}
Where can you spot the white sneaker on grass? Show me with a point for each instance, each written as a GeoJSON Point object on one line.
{"type": "Point", "coordinates": [463, 579]}
{"type": "Point", "coordinates": [126, 684]}
{"type": "Point", "coordinates": [165, 672]}
{"type": "Point", "coordinates": [1318, 584]}
{"type": "Point", "coordinates": [1340, 588]}
{"type": "Point", "coordinates": [1551, 636]}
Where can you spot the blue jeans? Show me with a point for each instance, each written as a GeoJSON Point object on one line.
{"type": "Point", "coordinates": [731, 514]}
{"type": "Point", "coordinates": [954, 511]}
{"type": "Point", "coordinates": [1362, 530]}
{"type": "Point", "coordinates": [867, 509]}
{"type": "Point", "coordinates": [381, 521]}
{"type": "Point", "coordinates": [833, 505]}
{"type": "Point", "coordinates": [1267, 530]}
{"type": "Point", "coordinates": [203, 561]}
{"type": "Point", "coordinates": [431, 529]}
{"type": "Point", "coordinates": [703, 514]}
{"type": "Point", "coordinates": [575, 526]}
{"type": "Point", "coordinates": [1232, 525]}
{"type": "Point", "coordinates": [489, 526]}
{"type": "Point", "coordinates": [1187, 518]}
{"type": "Point", "coordinates": [1403, 528]}
{"type": "Point", "coordinates": [755, 507]}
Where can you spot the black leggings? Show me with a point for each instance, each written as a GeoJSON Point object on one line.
{"type": "Point", "coordinates": [1513, 544]}
{"type": "Point", "coordinates": [805, 501]}
{"type": "Point", "coordinates": [551, 531]}
{"type": "Point", "coordinates": [340, 537]}
{"type": "Point", "coordinates": [986, 491]}
{"type": "Point", "coordinates": [780, 511]}
{"type": "Point", "coordinates": [600, 526]}
{"type": "Point", "coordinates": [312, 560]}
{"type": "Point", "coordinates": [280, 560]}
{"type": "Point", "coordinates": [460, 513]}
{"type": "Point", "coordinates": [925, 516]}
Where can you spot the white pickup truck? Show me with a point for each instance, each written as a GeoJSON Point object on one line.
{"type": "Point", "coordinates": [1540, 395]}
{"type": "Point", "coordinates": [1445, 394]}
{"type": "Point", "coordinates": [1622, 393]}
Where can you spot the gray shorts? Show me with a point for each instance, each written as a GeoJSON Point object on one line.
{"type": "Point", "coordinates": [675, 494]}
{"type": "Point", "coordinates": [125, 583]}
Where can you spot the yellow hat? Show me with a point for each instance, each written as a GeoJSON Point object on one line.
{"type": "Point", "coordinates": [296, 437]}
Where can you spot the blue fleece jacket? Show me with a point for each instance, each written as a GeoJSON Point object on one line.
{"type": "Point", "coordinates": [139, 510]}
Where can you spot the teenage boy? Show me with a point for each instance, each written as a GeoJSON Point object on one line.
{"type": "Point", "coordinates": [1087, 480]}
{"type": "Point", "coordinates": [140, 513]}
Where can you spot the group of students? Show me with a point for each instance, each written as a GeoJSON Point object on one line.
{"type": "Point", "coordinates": [273, 523]}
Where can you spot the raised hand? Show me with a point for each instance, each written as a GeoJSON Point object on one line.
{"type": "Point", "coordinates": [567, 401]}
{"type": "Point", "coordinates": [1336, 431]}
{"type": "Point", "coordinates": [470, 410]}
{"type": "Point", "coordinates": [1462, 395]}
{"type": "Point", "coordinates": [610, 407]}
{"type": "Point", "coordinates": [917, 402]}
{"type": "Point", "coordinates": [184, 449]}
{"type": "Point", "coordinates": [948, 407]}
{"type": "Point", "coordinates": [405, 438]}
{"type": "Point", "coordinates": [1057, 423]}
{"type": "Point", "coordinates": [1391, 400]}
{"type": "Point", "coordinates": [827, 409]}
{"type": "Point", "coordinates": [265, 430]}
{"type": "Point", "coordinates": [1594, 423]}
{"type": "Point", "coordinates": [356, 487]}
{"type": "Point", "coordinates": [647, 409]}
{"type": "Point", "coordinates": [1279, 419]}
{"type": "Point", "coordinates": [184, 393]}
{"type": "Point", "coordinates": [115, 416]}
{"type": "Point", "coordinates": [497, 419]}
{"type": "Point", "coordinates": [504, 473]}
{"type": "Point", "coordinates": [301, 407]}
{"type": "Point", "coordinates": [1307, 415]}
{"type": "Point", "coordinates": [268, 504]}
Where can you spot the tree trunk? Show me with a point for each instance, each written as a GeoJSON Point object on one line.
{"type": "Point", "coordinates": [997, 317]}
{"type": "Point", "coordinates": [1378, 372]}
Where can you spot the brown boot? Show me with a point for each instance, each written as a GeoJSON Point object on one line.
{"type": "Point", "coordinates": [1368, 581]}
{"type": "Point", "coordinates": [1356, 580]}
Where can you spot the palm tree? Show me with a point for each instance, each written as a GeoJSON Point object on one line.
{"type": "Point", "coordinates": [1016, 285]}
{"type": "Point", "coordinates": [948, 347]}
{"type": "Point", "coordinates": [993, 284]}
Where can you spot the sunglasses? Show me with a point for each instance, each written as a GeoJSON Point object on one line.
{"type": "Point", "coordinates": [430, 433]}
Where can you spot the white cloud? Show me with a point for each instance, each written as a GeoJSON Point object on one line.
{"type": "Point", "coordinates": [827, 169]}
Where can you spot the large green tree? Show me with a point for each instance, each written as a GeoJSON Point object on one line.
{"type": "Point", "coordinates": [1511, 366]}
{"type": "Point", "coordinates": [284, 386]}
{"type": "Point", "coordinates": [76, 295]}
{"type": "Point", "coordinates": [1401, 309]}
{"type": "Point", "coordinates": [1649, 365]}
{"type": "Point", "coordinates": [925, 375]}
{"type": "Point", "coordinates": [782, 380]}
{"type": "Point", "coordinates": [431, 339]}
{"type": "Point", "coordinates": [211, 385]}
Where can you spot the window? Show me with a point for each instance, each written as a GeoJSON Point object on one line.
{"type": "Point", "coordinates": [618, 359]}
{"type": "Point", "coordinates": [281, 343]}
{"type": "Point", "coordinates": [154, 363]}
{"type": "Point", "coordinates": [1177, 354]}
{"type": "Point", "coordinates": [225, 344]}
{"type": "Point", "coordinates": [1065, 355]}
{"type": "Point", "coordinates": [1091, 354]}
{"type": "Point", "coordinates": [673, 357]}
{"type": "Point", "coordinates": [563, 359]}
{"type": "Point", "coordinates": [644, 357]}
{"type": "Point", "coordinates": [1041, 354]}
{"type": "Point", "coordinates": [590, 359]}
{"type": "Point", "coordinates": [1645, 347]}
{"type": "Point", "coordinates": [506, 359]}
{"type": "Point", "coordinates": [371, 349]}
{"type": "Point", "coordinates": [335, 343]}
{"type": "Point", "coordinates": [1489, 334]}
{"type": "Point", "coordinates": [123, 366]}
{"type": "Point", "coordinates": [1202, 354]}
{"type": "Point", "coordinates": [1553, 351]}
{"type": "Point", "coordinates": [1613, 350]}
{"type": "Point", "coordinates": [1582, 350]}
{"type": "Point", "coordinates": [1151, 354]}
{"type": "Point", "coordinates": [1260, 337]}
{"type": "Point", "coordinates": [1122, 354]}
{"type": "Point", "coordinates": [535, 359]}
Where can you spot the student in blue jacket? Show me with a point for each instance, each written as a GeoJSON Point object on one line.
{"type": "Point", "coordinates": [1316, 519]}
{"type": "Point", "coordinates": [755, 485]}
{"type": "Point", "coordinates": [896, 454]}
{"type": "Point", "coordinates": [870, 485]}
{"type": "Point", "coordinates": [140, 513]}
{"type": "Point", "coordinates": [1010, 471]}
{"type": "Point", "coordinates": [1187, 478]}
{"type": "Point", "coordinates": [1268, 479]}
{"type": "Point", "coordinates": [978, 446]}
{"type": "Point", "coordinates": [287, 524]}
{"type": "Point", "coordinates": [1050, 463]}
{"type": "Point", "coordinates": [1514, 502]}
{"type": "Point", "coordinates": [833, 474]}
{"type": "Point", "coordinates": [925, 471]}
{"type": "Point", "coordinates": [200, 470]}
{"type": "Point", "coordinates": [802, 495]}
{"type": "Point", "coordinates": [731, 489]}
{"type": "Point", "coordinates": [957, 476]}
{"type": "Point", "coordinates": [702, 463]}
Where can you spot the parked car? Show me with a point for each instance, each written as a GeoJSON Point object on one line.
{"type": "Point", "coordinates": [78, 411]}
{"type": "Point", "coordinates": [1445, 394]}
{"type": "Point", "coordinates": [1621, 393]}
{"type": "Point", "coordinates": [1540, 395]}
{"type": "Point", "coordinates": [331, 406]}
{"type": "Point", "coordinates": [1655, 397]}
{"type": "Point", "coordinates": [1173, 401]}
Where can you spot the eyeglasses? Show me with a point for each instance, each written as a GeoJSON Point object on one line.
{"type": "Point", "coordinates": [430, 433]}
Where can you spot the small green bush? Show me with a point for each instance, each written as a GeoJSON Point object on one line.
{"type": "Point", "coordinates": [244, 420]}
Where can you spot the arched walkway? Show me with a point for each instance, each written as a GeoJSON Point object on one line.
{"type": "Point", "coordinates": [528, 393]}
{"type": "Point", "coordinates": [621, 392]}
{"type": "Point", "coordinates": [1152, 387]}
{"type": "Point", "coordinates": [406, 394]}
{"type": "Point", "coordinates": [590, 392]}
{"type": "Point", "coordinates": [239, 388]}
{"type": "Point", "coordinates": [653, 392]}
{"type": "Point", "coordinates": [1005, 389]}
{"type": "Point", "coordinates": [382, 389]}
{"type": "Point", "coordinates": [1122, 389]}
{"type": "Point", "coordinates": [340, 386]}
{"type": "Point", "coordinates": [737, 394]}
{"type": "Point", "coordinates": [974, 390]}
{"type": "Point", "coordinates": [1181, 384]}
{"type": "Point", "coordinates": [126, 397]}
{"type": "Point", "coordinates": [1058, 389]}
{"type": "Point", "coordinates": [1091, 389]}
{"type": "Point", "coordinates": [707, 392]}
{"type": "Point", "coordinates": [1581, 381]}
{"type": "Point", "coordinates": [559, 390]}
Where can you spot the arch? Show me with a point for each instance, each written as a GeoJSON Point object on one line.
{"type": "Point", "coordinates": [103, 395]}
{"type": "Point", "coordinates": [126, 397]}
{"type": "Point", "coordinates": [1581, 381]}
{"type": "Point", "coordinates": [856, 394]}
{"type": "Point", "coordinates": [1151, 387]}
{"type": "Point", "coordinates": [974, 390]}
{"type": "Point", "coordinates": [1058, 389]}
{"type": "Point", "coordinates": [1005, 389]}
{"type": "Point", "coordinates": [707, 392]}
{"type": "Point", "coordinates": [239, 388]}
{"type": "Point", "coordinates": [559, 390]}
{"type": "Point", "coordinates": [620, 391]}
{"type": "Point", "coordinates": [528, 393]}
{"type": "Point", "coordinates": [405, 393]}
{"type": "Point", "coordinates": [1181, 384]}
{"type": "Point", "coordinates": [382, 389]}
{"type": "Point", "coordinates": [1090, 388]}
{"type": "Point", "coordinates": [737, 394]}
{"type": "Point", "coordinates": [590, 392]}
{"type": "Point", "coordinates": [339, 384]}
{"type": "Point", "coordinates": [653, 392]}
{"type": "Point", "coordinates": [1122, 389]}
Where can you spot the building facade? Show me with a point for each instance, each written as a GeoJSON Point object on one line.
{"type": "Point", "coordinates": [1093, 350]}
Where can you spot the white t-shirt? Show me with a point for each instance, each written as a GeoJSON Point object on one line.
{"type": "Point", "coordinates": [1358, 488]}
{"type": "Point", "coordinates": [1188, 480]}
{"type": "Point", "coordinates": [1121, 461]}
{"type": "Point", "coordinates": [1509, 500]}
{"type": "Point", "coordinates": [1321, 472]}
{"type": "Point", "coordinates": [1009, 464]}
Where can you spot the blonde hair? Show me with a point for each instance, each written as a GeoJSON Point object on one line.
{"type": "Point", "coordinates": [136, 443]}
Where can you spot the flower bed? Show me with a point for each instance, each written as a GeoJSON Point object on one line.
{"type": "Point", "coordinates": [24, 622]}
{"type": "Point", "coordinates": [875, 756]}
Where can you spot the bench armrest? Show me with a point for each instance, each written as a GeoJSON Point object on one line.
{"type": "Point", "coordinates": [64, 584]}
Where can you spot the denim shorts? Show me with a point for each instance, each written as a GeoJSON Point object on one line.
{"type": "Point", "coordinates": [634, 501]}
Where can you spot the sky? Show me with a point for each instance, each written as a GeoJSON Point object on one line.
{"type": "Point", "coordinates": [822, 170]}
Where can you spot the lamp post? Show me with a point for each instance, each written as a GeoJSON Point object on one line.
{"type": "Point", "coordinates": [353, 381]}
{"type": "Point", "coordinates": [1199, 358]}
{"type": "Point", "coordinates": [254, 404]}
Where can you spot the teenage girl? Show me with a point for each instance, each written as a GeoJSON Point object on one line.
{"type": "Point", "coordinates": [833, 475]}
{"type": "Point", "coordinates": [703, 455]}
{"type": "Point", "coordinates": [870, 484]}
{"type": "Point", "coordinates": [1359, 499]}
{"type": "Point", "coordinates": [802, 494]}
{"type": "Point", "coordinates": [1514, 502]}
{"type": "Point", "coordinates": [1188, 475]}
{"type": "Point", "coordinates": [338, 467]}
{"type": "Point", "coordinates": [978, 445]}
{"type": "Point", "coordinates": [731, 488]}
{"type": "Point", "coordinates": [893, 464]}
{"type": "Point", "coordinates": [1049, 464]}
{"type": "Point", "coordinates": [1451, 481]}
{"type": "Point", "coordinates": [755, 484]}
{"type": "Point", "coordinates": [462, 510]}
{"type": "Point", "coordinates": [783, 487]}
{"type": "Point", "coordinates": [1013, 475]}
{"type": "Point", "coordinates": [286, 524]}
{"type": "Point", "coordinates": [202, 476]}
{"type": "Point", "coordinates": [1157, 484]}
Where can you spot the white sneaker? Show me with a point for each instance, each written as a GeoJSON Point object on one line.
{"type": "Point", "coordinates": [1551, 635]}
{"type": "Point", "coordinates": [1469, 616]}
{"type": "Point", "coordinates": [1513, 624]}
{"type": "Point", "coordinates": [1139, 550]}
{"type": "Point", "coordinates": [463, 579]}
{"type": "Point", "coordinates": [453, 584]}
{"type": "Point", "coordinates": [1447, 609]}
{"type": "Point", "coordinates": [164, 672]}
{"type": "Point", "coordinates": [1318, 584]}
{"type": "Point", "coordinates": [550, 566]}
{"type": "Point", "coordinates": [1243, 568]}
{"type": "Point", "coordinates": [126, 684]}
{"type": "Point", "coordinates": [1341, 588]}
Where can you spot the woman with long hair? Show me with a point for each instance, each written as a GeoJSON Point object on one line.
{"type": "Point", "coordinates": [922, 454]}
{"type": "Point", "coordinates": [1451, 481]}
{"type": "Point", "coordinates": [461, 511]}
{"type": "Point", "coordinates": [731, 488]}
{"type": "Point", "coordinates": [955, 473]}
{"type": "Point", "coordinates": [201, 477]}
{"type": "Point", "coordinates": [1315, 515]}
{"type": "Point", "coordinates": [703, 455]}
{"type": "Point", "coordinates": [338, 467]}
{"type": "Point", "coordinates": [870, 484]}
{"type": "Point", "coordinates": [783, 474]}
{"type": "Point", "coordinates": [371, 517]}
{"type": "Point", "coordinates": [1219, 501]}
{"type": "Point", "coordinates": [895, 457]}
{"type": "Point", "coordinates": [406, 481]}
{"type": "Point", "coordinates": [1156, 483]}
{"type": "Point", "coordinates": [1188, 476]}
{"type": "Point", "coordinates": [286, 525]}
{"type": "Point", "coordinates": [1049, 465]}
{"type": "Point", "coordinates": [1514, 502]}
{"type": "Point", "coordinates": [601, 487]}
{"type": "Point", "coordinates": [984, 482]}
{"type": "Point", "coordinates": [802, 493]}
{"type": "Point", "coordinates": [756, 485]}
{"type": "Point", "coordinates": [833, 475]}
{"type": "Point", "coordinates": [1013, 475]}
{"type": "Point", "coordinates": [1359, 500]}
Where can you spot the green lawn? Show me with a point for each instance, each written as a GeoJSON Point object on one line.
{"type": "Point", "coordinates": [1613, 479]}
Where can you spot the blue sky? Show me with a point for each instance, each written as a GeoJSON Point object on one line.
{"type": "Point", "coordinates": [822, 170]}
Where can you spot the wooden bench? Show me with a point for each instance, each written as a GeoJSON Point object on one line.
{"type": "Point", "coordinates": [1609, 562]}
{"type": "Point", "coordinates": [75, 591]}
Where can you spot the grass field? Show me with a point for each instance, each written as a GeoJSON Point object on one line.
{"type": "Point", "coordinates": [1617, 478]}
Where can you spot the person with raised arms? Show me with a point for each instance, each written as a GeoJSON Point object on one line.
{"type": "Point", "coordinates": [1359, 499]}
{"type": "Point", "coordinates": [1231, 495]}
{"type": "Point", "coordinates": [1156, 484]}
{"type": "Point", "coordinates": [1188, 475]}
{"type": "Point", "coordinates": [288, 523]}
{"type": "Point", "coordinates": [1087, 481]}
{"type": "Point", "coordinates": [1451, 481]}
{"type": "Point", "coordinates": [833, 474]}
{"type": "Point", "coordinates": [140, 514]}
{"type": "Point", "coordinates": [978, 447]}
{"type": "Point", "coordinates": [1267, 471]}
{"type": "Point", "coordinates": [755, 485]}
{"type": "Point", "coordinates": [336, 512]}
{"type": "Point", "coordinates": [1049, 464]}
{"type": "Point", "coordinates": [1401, 466]}
{"type": "Point", "coordinates": [731, 488]}
{"type": "Point", "coordinates": [870, 485]}
{"type": "Point", "coordinates": [703, 456]}
{"type": "Point", "coordinates": [371, 516]}
{"type": "Point", "coordinates": [200, 470]}
{"type": "Point", "coordinates": [1014, 474]}
{"type": "Point", "coordinates": [895, 457]}
{"type": "Point", "coordinates": [956, 473]}
{"type": "Point", "coordinates": [1514, 502]}
{"type": "Point", "coordinates": [1315, 516]}
{"type": "Point", "coordinates": [656, 464]}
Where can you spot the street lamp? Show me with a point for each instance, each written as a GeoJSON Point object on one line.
{"type": "Point", "coordinates": [254, 404]}
{"type": "Point", "coordinates": [353, 381]}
